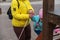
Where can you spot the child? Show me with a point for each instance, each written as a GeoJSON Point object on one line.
{"type": "Point", "coordinates": [37, 19]}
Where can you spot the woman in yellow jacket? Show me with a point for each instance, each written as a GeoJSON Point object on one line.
{"type": "Point", "coordinates": [20, 16]}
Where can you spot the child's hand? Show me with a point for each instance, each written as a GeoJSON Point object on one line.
{"type": "Point", "coordinates": [37, 24]}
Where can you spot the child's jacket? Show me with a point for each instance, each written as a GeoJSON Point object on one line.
{"type": "Point", "coordinates": [20, 15]}
{"type": "Point", "coordinates": [36, 19]}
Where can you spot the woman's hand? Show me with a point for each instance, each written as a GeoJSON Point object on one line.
{"type": "Point", "coordinates": [31, 13]}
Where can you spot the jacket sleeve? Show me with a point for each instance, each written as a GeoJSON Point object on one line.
{"type": "Point", "coordinates": [16, 12]}
{"type": "Point", "coordinates": [35, 18]}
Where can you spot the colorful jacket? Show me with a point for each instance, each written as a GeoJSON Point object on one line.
{"type": "Point", "coordinates": [20, 15]}
{"type": "Point", "coordinates": [36, 19]}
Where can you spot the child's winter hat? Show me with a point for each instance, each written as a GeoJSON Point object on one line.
{"type": "Point", "coordinates": [41, 13]}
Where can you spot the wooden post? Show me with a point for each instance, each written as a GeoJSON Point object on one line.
{"type": "Point", "coordinates": [52, 25]}
{"type": "Point", "coordinates": [48, 5]}
{"type": "Point", "coordinates": [45, 26]}
{"type": "Point", "coordinates": [51, 5]}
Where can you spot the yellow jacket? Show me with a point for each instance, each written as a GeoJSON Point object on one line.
{"type": "Point", "coordinates": [20, 15]}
